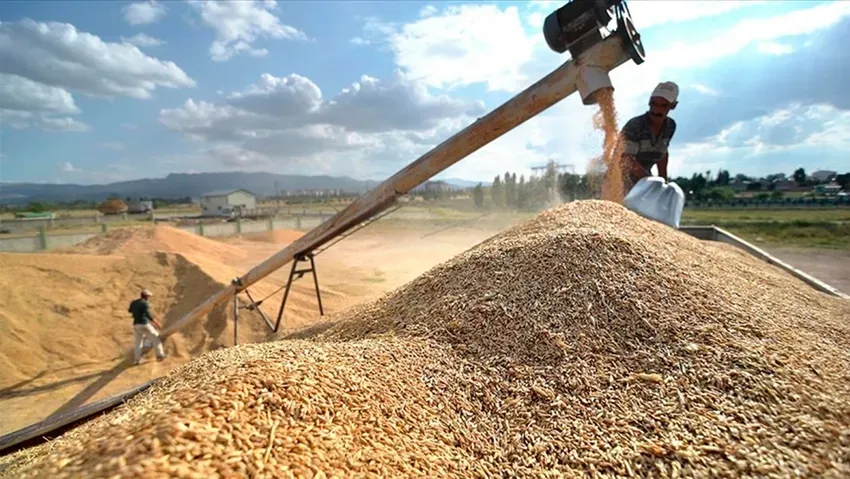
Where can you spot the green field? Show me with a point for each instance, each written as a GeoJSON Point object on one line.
{"type": "Point", "coordinates": [739, 215]}
{"type": "Point", "coordinates": [811, 227]}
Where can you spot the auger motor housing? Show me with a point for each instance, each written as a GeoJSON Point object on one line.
{"type": "Point", "coordinates": [576, 27]}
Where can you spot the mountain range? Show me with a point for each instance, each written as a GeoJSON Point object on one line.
{"type": "Point", "coordinates": [178, 185]}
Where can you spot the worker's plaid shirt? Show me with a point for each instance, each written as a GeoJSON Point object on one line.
{"type": "Point", "coordinates": [638, 141]}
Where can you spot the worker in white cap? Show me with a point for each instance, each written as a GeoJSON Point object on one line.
{"type": "Point", "coordinates": [143, 325]}
{"type": "Point", "coordinates": [647, 137]}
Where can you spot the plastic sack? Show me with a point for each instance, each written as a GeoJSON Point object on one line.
{"type": "Point", "coordinates": [652, 198]}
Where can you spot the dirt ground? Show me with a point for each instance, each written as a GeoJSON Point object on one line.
{"type": "Point", "coordinates": [829, 266]}
{"type": "Point", "coordinates": [66, 337]}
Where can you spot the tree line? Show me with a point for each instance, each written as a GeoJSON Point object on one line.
{"type": "Point", "coordinates": [552, 187]}
{"type": "Point", "coordinates": [534, 192]}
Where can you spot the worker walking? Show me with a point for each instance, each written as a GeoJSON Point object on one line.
{"type": "Point", "coordinates": [143, 325]}
{"type": "Point", "coordinates": [647, 137]}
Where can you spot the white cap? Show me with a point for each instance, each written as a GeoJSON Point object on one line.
{"type": "Point", "coordinates": [146, 292]}
{"type": "Point", "coordinates": [667, 90]}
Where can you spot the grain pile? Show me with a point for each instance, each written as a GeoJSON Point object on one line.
{"type": "Point", "coordinates": [65, 332]}
{"type": "Point", "coordinates": [275, 236]}
{"type": "Point", "coordinates": [586, 341]}
{"type": "Point", "coordinates": [129, 241]}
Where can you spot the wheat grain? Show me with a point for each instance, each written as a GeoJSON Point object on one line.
{"type": "Point", "coordinates": [586, 342]}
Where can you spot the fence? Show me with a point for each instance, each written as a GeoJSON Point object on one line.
{"type": "Point", "coordinates": [44, 240]}
{"type": "Point", "coordinates": [768, 203]}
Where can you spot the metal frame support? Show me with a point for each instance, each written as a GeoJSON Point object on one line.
{"type": "Point", "coordinates": [235, 320]}
{"type": "Point", "coordinates": [294, 274]}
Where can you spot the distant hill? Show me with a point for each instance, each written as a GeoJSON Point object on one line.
{"type": "Point", "coordinates": [178, 185]}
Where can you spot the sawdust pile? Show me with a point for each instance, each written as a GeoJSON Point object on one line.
{"type": "Point", "coordinates": [588, 340]}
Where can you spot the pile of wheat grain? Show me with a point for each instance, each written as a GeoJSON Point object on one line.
{"type": "Point", "coordinates": [586, 341]}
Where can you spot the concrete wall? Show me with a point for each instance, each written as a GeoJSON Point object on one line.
{"type": "Point", "coordinates": [33, 243]}
{"type": "Point", "coordinates": [30, 244]}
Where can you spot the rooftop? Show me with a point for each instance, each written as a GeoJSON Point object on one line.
{"type": "Point", "coordinates": [225, 192]}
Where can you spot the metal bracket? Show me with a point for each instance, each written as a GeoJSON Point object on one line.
{"type": "Point", "coordinates": [295, 274]}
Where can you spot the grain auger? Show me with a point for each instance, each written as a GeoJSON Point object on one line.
{"type": "Point", "coordinates": [576, 27]}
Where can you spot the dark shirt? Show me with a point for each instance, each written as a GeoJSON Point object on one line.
{"type": "Point", "coordinates": [640, 143]}
{"type": "Point", "coordinates": [141, 311]}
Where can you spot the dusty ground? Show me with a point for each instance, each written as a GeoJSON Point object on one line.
{"type": "Point", "coordinates": [66, 338]}
{"type": "Point", "coordinates": [830, 266]}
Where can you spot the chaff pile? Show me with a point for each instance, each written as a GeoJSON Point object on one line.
{"type": "Point", "coordinates": [585, 341]}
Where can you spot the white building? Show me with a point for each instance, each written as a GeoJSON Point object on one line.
{"type": "Point", "coordinates": [228, 203]}
{"type": "Point", "coordinates": [823, 176]}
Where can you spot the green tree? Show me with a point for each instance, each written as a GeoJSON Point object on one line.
{"type": "Point", "coordinates": [722, 178]}
{"type": "Point", "coordinates": [843, 180]}
{"type": "Point", "coordinates": [478, 195]}
{"type": "Point", "coordinates": [719, 193]}
{"type": "Point", "coordinates": [35, 207]}
{"type": "Point", "coordinates": [800, 176]}
{"type": "Point", "coordinates": [506, 185]}
{"type": "Point", "coordinates": [521, 193]}
{"type": "Point", "coordinates": [497, 192]}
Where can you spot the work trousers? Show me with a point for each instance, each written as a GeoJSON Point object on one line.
{"type": "Point", "coordinates": [147, 331]}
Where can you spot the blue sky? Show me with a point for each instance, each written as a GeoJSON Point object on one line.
{"type": "Point", "coordinates": [95, 92]}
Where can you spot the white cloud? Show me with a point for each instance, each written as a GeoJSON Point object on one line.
{"type": "Point", "coordinates": [372, 105]}
{"type": "Point", "coordinates": [143, 40]}
{"type": "Point", "coordinates": [22, 94]}
{"type": "Point", "coordinates": [143, 13]}
{"type": "Point", "coordinates": [427, 11]}
{"type": "Point", "coordinates": [535, 20]}
{"type": "Point", "coordinates": [67, 167]}
{"type": "Point", "coordinates": [796, 128]}
{"type": "Point", "coordinates": [463, 45]}
{"type": "Point", "coordinates": [287, 119]}
{"type": "Point", "coordinates": [274, 104]}
{"type": "Point", "coordinates": [652, 13]}
{"type": "Point", "coordinates": [112, 145]}
{"type": "Point", "coordinates": [64, 124]}
{"type": "Point", "coordinates": [704, 89]}
{"type": "Point", "coordinates": [775, 48]}
{"type": "Point", "coordinates": [760, 31]}
{"type": "Point", "coordinates": [239, 24]}
{"type": "Point", "coordinates": [292, 96]}
{"type": "Point", "coordinates": [82, 62]}
{"type": "Point", "coordinates": [19, 120]}
{"type": "Point", "coordinates": [359, 41]}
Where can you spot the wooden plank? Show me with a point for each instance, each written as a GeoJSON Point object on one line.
{"type": "Point", "coordinates": [51, 424]}
{"type": "Point", "coordinates": [727, 237]}
{"type": "Point", "coordinates": [556, 86]}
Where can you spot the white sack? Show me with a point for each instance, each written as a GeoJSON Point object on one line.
{"type": "Point", "coordinates": [653, 199]}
